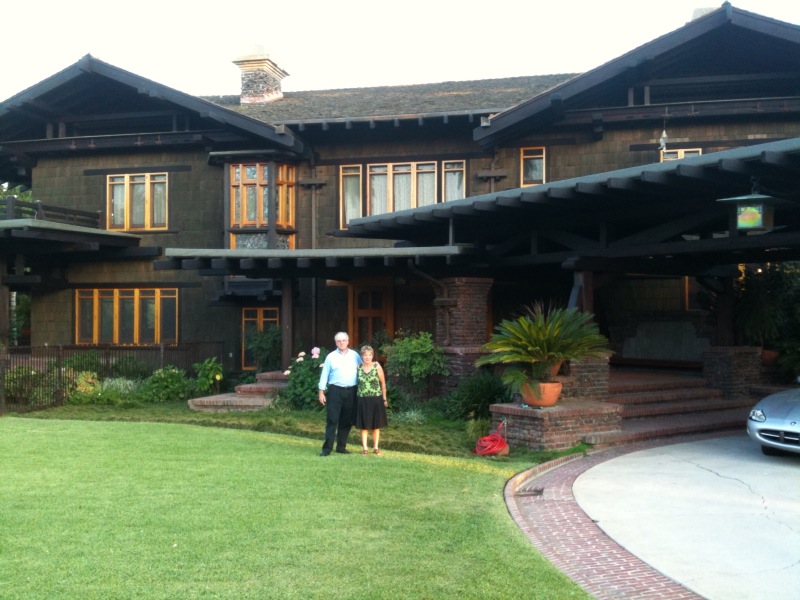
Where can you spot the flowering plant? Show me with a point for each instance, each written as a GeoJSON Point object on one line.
{"type": "Point", "coordinates": [209, 375]}
{"type": "Point", "coordinates": [303, 376]}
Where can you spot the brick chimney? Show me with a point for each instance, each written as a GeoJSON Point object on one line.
{"type": "Point", "coordinates": [261, 78]}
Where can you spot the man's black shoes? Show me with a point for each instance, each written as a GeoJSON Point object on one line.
{"type": "Point", "coordinates": [325, 453]}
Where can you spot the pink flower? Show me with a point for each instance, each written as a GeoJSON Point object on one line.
{"type": "Point", "coordinates": [315, 352]}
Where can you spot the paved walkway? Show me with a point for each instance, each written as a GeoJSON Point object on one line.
{"type": "Point", "coordinates": [681, 518]}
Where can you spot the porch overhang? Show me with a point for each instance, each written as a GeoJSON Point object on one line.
{"type": "Point", "coordinates": [331, 263]}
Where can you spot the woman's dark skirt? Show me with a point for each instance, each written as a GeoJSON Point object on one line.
{"type": "Point", "coordinates": [370, 413]}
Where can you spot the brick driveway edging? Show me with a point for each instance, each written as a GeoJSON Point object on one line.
{"type": "Point", "coordinates": [541, 502]}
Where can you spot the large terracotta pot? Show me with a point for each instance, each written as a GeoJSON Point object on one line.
{"type": "Point", "coordinates": [547, 396]}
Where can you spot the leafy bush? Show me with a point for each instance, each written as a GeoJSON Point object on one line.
{"type": "Point", "coordinates": [169, 384]}
{"type": "Point", "coordinates": [267, 347]}
{"type": "Point", "coordinates": [472, 397]}
{"type": "Point", "coordinates": [209, 375]}
{"type": "Point", "coordinates": [412, 359]}
{"type": "Point", "coordinates": [477, 428]}
{"type": "Point", "coordinates": [20, 383]}
{"type": "Point", "coordinates": [130, 367]}
{"type": "Point", "coordinates": [84, 361]}
{"type": "Point", "coordinates": [411, 416]}
{"type": "Point", "coordinates": [114, 391]}
{"type": "Point", "coordinates": [301, 390]}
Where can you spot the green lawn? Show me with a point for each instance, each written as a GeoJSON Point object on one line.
{"type": "Point", "coordinates": [92, 509]}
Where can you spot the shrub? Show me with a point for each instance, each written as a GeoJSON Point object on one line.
{"type": "Point", "coordinates": [473, 396]}
{"type": "Point", "coordinates": [169, 384]}
{"type": "Point", "coordinates": [114, 391]}
{"type": "Point", "coordinates": [84, 361]}
{"type": "Point", "coordinates": [209, 375]}
{"type": "Point", "coordinates": [477, 428]}
{"type": "Point", "coordinates": [301, 390]}
{"type": "Point", "coordinates": [411, 416]}
{"type": "Point", "coordinates": [412, 359]}
{"type": "Point", "coordinates": [267, 348]}
{"type": "Point", "coordinates": [130, 367]}
{"type": "Point", "coordinates": [20, 383]}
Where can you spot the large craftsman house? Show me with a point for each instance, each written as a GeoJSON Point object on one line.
{"type": "Point", "coordinates": [438, 207]}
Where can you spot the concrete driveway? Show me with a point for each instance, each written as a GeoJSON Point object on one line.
{"type": "Point", "coordinates": [716, 515]}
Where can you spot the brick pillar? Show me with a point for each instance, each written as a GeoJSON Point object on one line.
{"type": "Point", "coordinates": [462, 325]}
{"type": "Point", "coordinates": [732, 369]}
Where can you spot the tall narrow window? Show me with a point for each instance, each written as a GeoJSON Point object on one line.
{"type": "Point", "coordinates": [137, 202]}
{"type": "Point", "coordinates": [350, 186]}
{"type": "Point", "coordinates": [126, 316]}
{"type": "Point", "coordinates": [453, 181]}
{"type": "Point", "coordinates": [532, 166]}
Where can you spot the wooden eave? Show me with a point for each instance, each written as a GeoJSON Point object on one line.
{"type": "Point", "coordinates": [685, 54]}
{"type": "Point", "coordinates": [70, 110]}
{"type": "Point", "coordinates": [666, 211]}
{"type": "Point", "coordinates": [331, 263]}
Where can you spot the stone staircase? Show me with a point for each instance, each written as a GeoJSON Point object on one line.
{"type": "Point", "coordinates": [246, 397]}
{"type": "Point", "coordinates": [658, 404]}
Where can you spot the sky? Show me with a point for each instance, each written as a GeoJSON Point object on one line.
{"type": "Point", "coordinates": [189, 45]}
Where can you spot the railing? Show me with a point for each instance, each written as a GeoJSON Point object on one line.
{"type": "Point", "coordinates": [36, 377]}
{"type": "Point", "coordinates": [14, 208]}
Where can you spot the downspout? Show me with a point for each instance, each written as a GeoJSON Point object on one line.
{"type": "Point", "coordinates": [313, 247]}
{"type": "Point", "coordinates": [444, 301]}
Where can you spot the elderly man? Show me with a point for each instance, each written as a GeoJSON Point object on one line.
{"type": "Point", "coordinates": [339, 377]}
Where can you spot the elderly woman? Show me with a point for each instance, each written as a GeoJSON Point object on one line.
{"type": "Point", "coordinates": [372, 403]}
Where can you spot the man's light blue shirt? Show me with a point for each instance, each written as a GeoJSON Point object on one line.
{"type": "Point", "coordinates": [340, 368]}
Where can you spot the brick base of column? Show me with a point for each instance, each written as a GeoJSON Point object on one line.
{"type": "Point", "coordinates": [555, 428]}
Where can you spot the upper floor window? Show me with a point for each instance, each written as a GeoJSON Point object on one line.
{"type": "Point", "coordinates": [532, 166]}
{"type": "Point", "coordinates": [126, 316]}
{"type": "Point", "coordinates": [667, 155]}
{"type": "Point", "coordinates": [376, 189]}
{"type": "Point", "coordinates": [249, 195]}
{"type": "Point", "coordinates": [137, 201]}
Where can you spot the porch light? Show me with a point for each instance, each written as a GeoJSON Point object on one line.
{"type": "Point", "coordinates": [754, 211]}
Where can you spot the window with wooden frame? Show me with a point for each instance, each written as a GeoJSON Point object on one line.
{"type": "Point", "coordinates": [371, 312]}
{"type": "Point", "coordinates": [255, 320]}
{"type": "Point", "coordinates": [250, 196]}
{"type": "Point", "coordinates": [126, 316]}
{"type": "Point", "coordinates": [375, 189]}
{"type": "Point", "coordinates": [137, 202]}
{"type": "Point", "coordinates": [667, 155]}
{"type": "Point", "coordinates": [532, 166]}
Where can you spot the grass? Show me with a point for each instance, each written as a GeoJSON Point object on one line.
{"type": "Point", "coordinates": [95, 509]}
{"type": "Point", "coordinates": [437, 435]}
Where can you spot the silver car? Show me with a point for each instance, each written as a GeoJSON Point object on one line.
{"type": "Point", "coordinates": [775, 423]}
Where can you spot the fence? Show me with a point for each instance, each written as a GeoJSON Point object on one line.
{"type": "Point", "coordinates": [37, 377]}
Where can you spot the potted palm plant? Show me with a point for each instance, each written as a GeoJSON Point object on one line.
{"type": "Point", "coordinates": [533, 347]}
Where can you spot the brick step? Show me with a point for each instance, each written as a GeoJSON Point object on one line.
{"type": "Point", "coordinates": [230, 403]}
{"type": "Point", "coordinates": [642, 382]}
{"type": "Point", "coordinates": [259, 389]}
{"type": "Point", "coordinates": [702, 404]}
{"type": "Point", "coordinates": [666, 395]}
{"type": "Point", "coordinates": [638, 430]}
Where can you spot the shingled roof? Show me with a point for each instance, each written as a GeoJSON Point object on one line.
{"type": "Point", "coordinates": [483, 96]}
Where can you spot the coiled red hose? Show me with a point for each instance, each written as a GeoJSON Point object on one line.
{"type": "Point", "coordinates": [492, 443]}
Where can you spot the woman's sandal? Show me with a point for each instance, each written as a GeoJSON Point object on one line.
{"type": "Point", "coordinates": [365, 452]}
{"type": "Point", "coordinates": [377, 451]}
